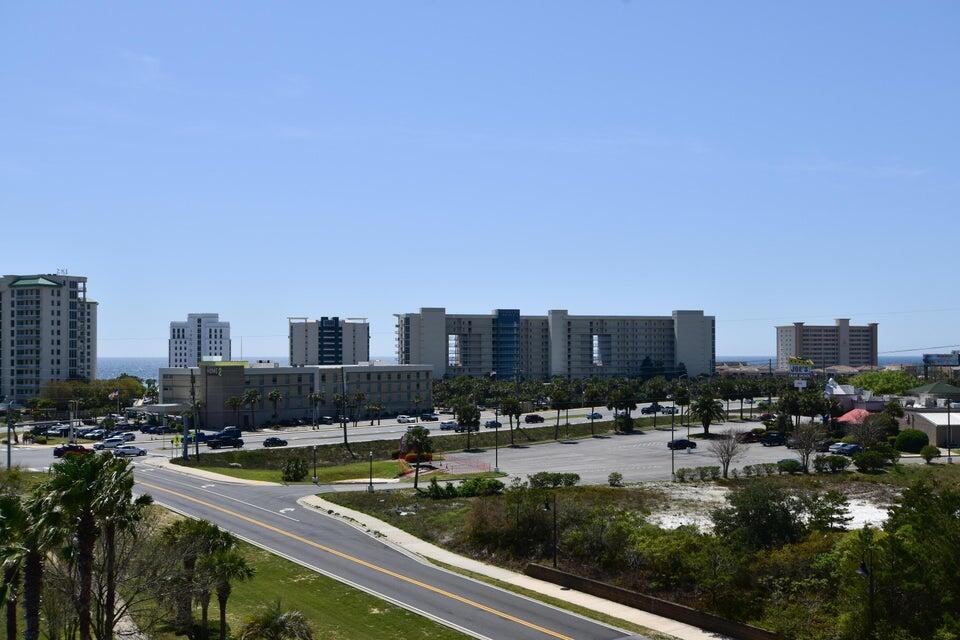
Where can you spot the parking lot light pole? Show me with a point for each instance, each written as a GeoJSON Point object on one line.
{"type": "Point", "coordinates": [556, 542]}
{"type": "Point", "coordinates": [673, 418]}
{"type": "Point", "coordinates": [314, 464]}
{"type": "Point", "coordinates": [496, 448]}
{"type": "Point", "coordinates": [949, 435]}
{"type": "Point", "coordinates": [370, 486]}
{"type": "Point", "coordinates": [9, 437]}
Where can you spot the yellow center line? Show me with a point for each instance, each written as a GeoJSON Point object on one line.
{"type": "Point", "coordinates": [364, 563]}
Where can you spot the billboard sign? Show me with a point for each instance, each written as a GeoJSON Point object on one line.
{"type": "Point", "coordinates": [800, 367]}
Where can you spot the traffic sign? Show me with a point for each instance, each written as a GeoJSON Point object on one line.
{"type": "Point", "coordinates": [800, 384]}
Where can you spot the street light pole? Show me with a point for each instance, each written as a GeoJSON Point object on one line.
{"type": "Point", "coordinates": [9, 437]}
{"type": "Point", "coordinates": [496, 448]}
{"type": "Point", "coordinates": [314, 464]}
{"type": "Point", "coordinates": [370, 486]}
{"type": "Point", "coordinates": [673, 419]}
{"type": "Point", "coordinates": [949, 435]}
{"type": "Point", "coordinates": [555, 531]}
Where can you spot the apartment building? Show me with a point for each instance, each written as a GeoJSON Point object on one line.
{"type": "Point", "coordinates": [328, 341]}
{"type": "Point", "coordinates": [399, 389]}
{"type": "Point", "coordinates": [203, 335]}
{"type": "Point", "coordinates": [509, 344]}
{"type": "Point", "coordinates": [828, 345]}
{"type": "Point", "coordinates": [49, 333]}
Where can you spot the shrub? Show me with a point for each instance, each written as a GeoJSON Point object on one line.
{"type": "Point", "coordinates": [703, 473]}
{"type": "Point", "coordinates": [624, 423]}
{"type": "Point", "coordinates": [683, 474]}
{"type": "Point", "coordinates": [838, 463]}
{"type": "Point", "coordinates": [766, 469]}
{"type": "Point", "coordinates": [789, 466]}
{"type": "Point", "coordinates": [911, 440]}
{"type": "Point", "coordinates": [549, 480]}
{"type": "Point", "coordinates": [294, 470]}
{"type": "Point", "coordinates": [615, 479]}
{"type": "Point", "coordinates": [929, 452]}
{"type": "Point", "coordinates": [424, 457]}
{"type": "Point", "coordinates": [869, 461]}
{"type": "Point", "coordinates": [748, 470]}
{"type": "Point", "coordinates": [821, 463]}
{"type": "Point", "coordinates": [713, 472]}
{"type": "Point", "coordinates": [40, 439]}
{"type": "Point", "coordinates": [735, 474]}
{"type": "Point", "coordinates": [889, 454]}
{"type": "Point", "coordinates": [479, 487]}
{"type": "Point", "coordinates": [395, 454]}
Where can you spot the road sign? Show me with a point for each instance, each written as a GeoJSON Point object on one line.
{"type": "Point", "coordinates": [800, 384]}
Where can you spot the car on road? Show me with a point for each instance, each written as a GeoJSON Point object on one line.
{"type": "Point", "coordinates": [749, 436]}
{"type": "Point", "coordinates": [274, 441]}
{"type": "Point", "coordinates": [58, 430]}
{"type": "Point", "coordinates": [492, 424]}
{"type": "Point", "coordinates": [109, 443]}
{"type": "Point", "coordinates": [653, 408]}
{"type": "Point", "coordinates": [429, 417]}
{"type": "Point", "coordinates": [64, 450]}
{"type": "Point", "coordinates": [533, 418]}
{"type": "Point", "coordinates": [448, 425]}
{"type": "Point", "coordinates": [127, 436]}
{"type": "Point", "coordinates": [325, 420]}
{"type": "Point", "coordinates": [94, 434]}
{"type": "Point", "coordinates": [129, 450]}
{"type": "Point", "coordinates": [681, 443]}
{"type": "Point", "coordinates": [773, 439]}
{"type": "Point", "coordinates": [824, 446]}
{"type": "Point", "coordinates": [401, 419]}
{"type": "Point", "coordinates": [764, 417]}
{"type": "Point", "coordinates": [669, 411]}
{"type": "Point", "coordinates": [462, 428]}
{"type": "Point", "coordinates": [223, 442]}
{"type": "Point", "coordinates": [596, 415]}
{"type": "Point", "coordinates": [845, 449]}
{"type": "Point", "coordinates": [199, 436]}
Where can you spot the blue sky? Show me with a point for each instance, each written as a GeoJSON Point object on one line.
{"type": "Point", "coordinates": [764, 162]}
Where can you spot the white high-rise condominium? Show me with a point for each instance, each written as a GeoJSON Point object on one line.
{"type": "Point", "coordinates": [329, 341]}
{"type": "Point", "coordinates": [49, 333]}
{"type": "Point", "coordinates": [203, 335]}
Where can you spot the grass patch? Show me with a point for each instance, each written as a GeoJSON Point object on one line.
{"type": "Point", "coordinates": [337, 611]}
{"type": "Point", "coordinates": [450, 477]}
{"type": "Point", "coordinates": [336, 473]}
{"type": "Point", "coordinates": [898, 476]}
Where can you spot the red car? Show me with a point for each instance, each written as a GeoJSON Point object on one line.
{"type": "Point", "coordinates": [64, 450]}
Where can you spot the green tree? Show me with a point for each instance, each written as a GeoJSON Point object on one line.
{"type": "Point", "coordinates": [358, 399]}
{"type": "Point", "coordinates": [886, 382]}
{"type": "Point", "coordinates": [559, 399]}
{"type": "Point", "coordinates": [315, 398]}
{"type": "Point", "coordinates": [681, 398]}
{"type": "Point", "coordinates": [374, 409]}
{"type": "Point", "coordinates": [468, 414]}
{"type": "Point", "coordinates": [273, 623]}
{"type": "Point", "coordinates": [706, 408]}
{"type": "Point", "coordinates": [511, 408]}
{"type": "Point", "coordinates": [235, 404]}
{"type": "Point", "coordinates": [759, 515]}
{"type": "Point", "coordinates": [593, 396]}
{"type": "Point", "coordinates": [192, 540]}
{"type": "Point", "coordinates": [275, 397]}
{"type": "Point", "coordinates": [252, 398]}
{"type": "Point", "coordinates": [229, 566]}
{"type": "Point", "coordinates": [419, 440]}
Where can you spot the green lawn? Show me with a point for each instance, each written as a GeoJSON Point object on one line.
{"type": "Point", "coordinates": [352, 471]}
{"type": "Point", "coordinates": [449, 477]}
{"type": "Point", "coordinates": [337, 611]}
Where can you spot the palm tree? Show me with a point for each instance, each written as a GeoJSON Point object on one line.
{"type": "Point", "coordinates": [273, 623]}
{"type": "Point", "coordinates": [681, 398]}
{"type": "Point", "coordinates": [275, 397]}
{"type": "Point", "coordinates": [73, 485]}
{"type": "Point", "coordinates": [115, 509]}
{"type": "Point", "coordinates": [374, 409]}
{"type": "Point", "coordinates": [235, 403]}
{"type": "Point", "coordinates": [419, 438]}
{"type": "Point", "coordinates": [13, 524]}
{"type": "Point", "coordinates": [358, 399]}
{"type": "Point", "coordinates": [559, 398]}
{"type": "Point", "coordinates": [593, 395]}
{"type": "Point", "coordinates": [252, 398]}
{"type": "Point", "coordinates": [340, 401]}
{"type": "Point", "coordinates": [44, 532]}
{"type": "Point", "coordinates": [316, 398]}
{"type": "Point", "coordinates": [228, 566]}
{"type": "Point", "coordinates": [510, 407]}
{"type": "Point", "coordinates": [707, 408]}
{"type": "Point", "coordinates": [150, 391]}
{"type": "Point", "coordinates": [193, 539]}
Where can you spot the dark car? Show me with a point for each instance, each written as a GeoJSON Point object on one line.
{"type": "Point", "coordinates": [492, 424]}
{"type": "Point", "coordinates": [654, 408]}
{"type": "Point", "coordinates": [824, 446]}
{"type": "Point", "coordinates": [325, 420]}
{"type": "Point", "coordinates": [223, 442]}
{"type": "Point", "coordinates": [764, 417]}
{"type": "Point", "coordinates": [429, 417]}
{"type": "Point", "coordinates": [681, 443]}
{"type": "Point", "coordinates": [64, 450]}
{"type": "Point", "coordinates": [749, 436]}
{"type": "Point", "coordinates": [461, 428]}
{"type": "Point", "coordinates": [273, 441]}
{"type": "Point", "coordinates": [533, 418]}
{"type": "Point", "coordinates": [774, 439]}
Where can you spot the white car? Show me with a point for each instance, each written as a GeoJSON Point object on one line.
{"type": "Point", "coordinates": [405, 419]}
{"type": "Point", "coordinates": [448, 425]}
{"type": "Point", "coordinates": [124, 450]}
{"type": "Point", "coordinates": [128, 436]}
{"type": "Point", "coordinates": [109, 443]}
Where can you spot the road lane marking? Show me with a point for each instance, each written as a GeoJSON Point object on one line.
{"type": "Point", "coordinates": [364, 563]}
{"type": "Point", "coordinates": [244, 502]}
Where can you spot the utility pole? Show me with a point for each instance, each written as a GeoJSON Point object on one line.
{"type": "Point", "coordinates": [370, 457]}
{"type": "Point", "coordinates": [673, 417]}
{"type": "Point", "coordinates": [9, 437]}
{"type": "Point", "coordinates": [193, 416]}
{"type": "Point", "coordinates": [949, 435]}
{"type": "Point", "coordinates": [770, 384]}
{"type": "Point", "coordinates": [314, 464]}
{"type": "Point", "coordinates": [556, 541]}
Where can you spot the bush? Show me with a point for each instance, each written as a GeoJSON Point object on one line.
{"type": "Point", "coordinates": [479, 487]}
{"type": "Point", "coordinates": [889, 454]}
{"type": "Point", "coordinates": [424, 457]}
{"type": "Point", "coordinates": [683, 474]}
{"type": "Point", "coordinates": [911, 440]}
{"type": "Point", "coordinates": [821, 463]}
{"type": "Point", "coordinates": [395, 454]}
{"type": "Point", "coordinates": [294, 470]}
{"type": "Point", "coordinates": [838, 463]}
{"type": "Point", "coordinates": [624, 423]}
{"type": "Point", "coordinates": [789, 466]}
{"type": "Point", "coordinates": [615, 479]}
{"type": "Point", "coordinates": [869, 461]}
{"type": "Point", "coordinates": [548, 480]}
{"type": "Point", "coordinates": [40, 439]}
{"type": "Point", "coordinates": [929, 452]}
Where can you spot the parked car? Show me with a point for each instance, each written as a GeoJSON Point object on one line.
{"type": "Point", "coordinates": [669, 410]}
{"type": "Point", "coordinates": [653, 408]}
{"type": "Point", "coordinates": [764, 417]}
{"type": "Point", "coordinates": [748, 436]}
{"type": "Point", "coordinates": [58, 430]}
{"type": "Point", "coordinates": [448, 425]}
{"type": "Point", "coordinates": [274, 441]}
{"type": "Point", "coordinates": [533, 418]}
{"type": "Point", "coordinates": [401, 419]}
{"type": "Point", "coordinates": [462, 428]}
{"type": "Point", "coordinates": [128, 436]}
{"type": "Point", "coordinates": [109, 443]}
{"type": "Point", "coordinates": [824, 446]}
{"type": "Point", "coordinates": [325, 420]}
{"type": "Point", "coordinates": [429, 417]}
{"type": "Point", "coordinates": [221, 442]}
{"type": "Point", "coordinates": [596, 415]}
{"type": "Point", "coordinates": [681, 443]}
{"type": "Point", "coordinates": [198, 436]}
{"type": "Point", "coordinates": [94, 434]}
{"type": "Point", "coordinates": [492, 424]}
{"type": "Point", "coordinates": [844, 449]}
{"type": "Point", "coordinates": [773, 439]}
{"type": "Point", "coordinates": [64, 450]}
{"type": "Point", "coordinates": [128, 450]}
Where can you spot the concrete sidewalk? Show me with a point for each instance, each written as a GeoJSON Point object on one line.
{"type": "Point", "coordinates": [164, 463]}
{"type": "Point", "coordinates": [414, 545]}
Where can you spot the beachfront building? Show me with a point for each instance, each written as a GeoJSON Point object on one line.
{"type": "Point", "coordinates": [840, 344]}
{"type": "Point", "coordinates": [328, 340]}
{"type": "Point", "coordinates": [49, 333]}
{"type": "Point", "coordinates": [203, 335]}
{"type": "Point", "coordinates": [397, 388]}
{"type": "Point", "coordinates": [511, 345]}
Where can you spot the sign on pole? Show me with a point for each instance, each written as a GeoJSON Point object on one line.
{"type": "Point", "coordinates": [800, 383]}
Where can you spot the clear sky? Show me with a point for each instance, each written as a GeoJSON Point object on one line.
{"type": "Point", "coordinates": [763, 161]}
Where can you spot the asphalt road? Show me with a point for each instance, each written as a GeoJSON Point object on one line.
{"type": "Point", "coordinates": [271, 518]}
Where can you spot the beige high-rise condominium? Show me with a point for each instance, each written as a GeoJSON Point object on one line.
{"type": "Point", "coordinates": [557, 344]}
{"type": "Point", "coordinates": [329, 341]}
{"type": "Point", "coordinates": [49, 333]}
{"type": "Point", "coordinates": [203, 335]}
{"type": "Point", "coordinates": [828, 345]}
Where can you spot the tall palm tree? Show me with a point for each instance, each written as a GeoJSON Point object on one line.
{"type": "Point", "coordinates": [73, 483]}
{"type": "Point", "coordinates": [593, 396]}
{"type": "Point", "coordinates": [252, 398]}
{"type": "Point", "coordinates": [419, 439]}
{"type": "Point", "coordinates": [375, 408]}
{"type": "Point", "coordinates": [13, 524]}
{"type": "Point", "coordinates": [559, 397]}
{"type": "Point", "coordinates": [229, 566]}
{"type": "Point", "coordinates": [316, 398]}
{"type": "Point", "coordinates": [44, 532]}
{"type": "Point", "coordinates": [707, 408]}
{"type": "Point", "coordinates": [235, 403]}
{"type": "Point", "coordinates": [275, 397]}
{"type": "Point", "coordinates": [193, 539]}
{"type": "Point", "coordinates": [273, 623]}
{"type": "Point", "coordinates": [340, 401]}
{"type": "Point", "coordinates": [358, 399]}
{"type": "Point", "coordinates": [116, 509]}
